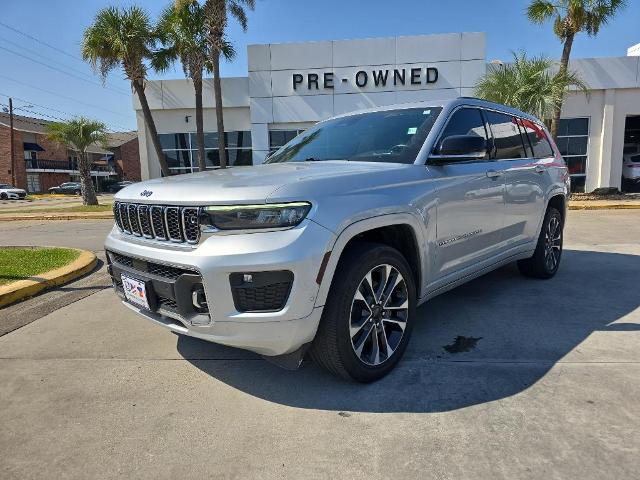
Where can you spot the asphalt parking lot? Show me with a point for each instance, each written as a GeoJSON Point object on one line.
{"type": "Point", "coordinates": [543, 383]}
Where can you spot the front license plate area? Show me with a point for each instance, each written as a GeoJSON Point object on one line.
{"type": "Point", "coordinates": [135, 291]}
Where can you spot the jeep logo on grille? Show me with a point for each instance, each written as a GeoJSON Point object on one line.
{"type": "Point", "coordinates": [146, 193]}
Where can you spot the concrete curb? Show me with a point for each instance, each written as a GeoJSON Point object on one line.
{"type": "Point", "coordinates": [16, 291]}
{"type": "Point", "coordinates": [64, 216]}
{"type": "Point", "coordinates": [613, 206]}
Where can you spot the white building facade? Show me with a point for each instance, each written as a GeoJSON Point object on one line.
{"type": "Point", "coordinates": [292, 86]}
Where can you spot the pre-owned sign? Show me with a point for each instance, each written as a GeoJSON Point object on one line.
{"type": "Point", "coordinates": [362, 78]}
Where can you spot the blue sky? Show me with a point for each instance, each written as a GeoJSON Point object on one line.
{"type": "Point", "coordinates": [60, 23]}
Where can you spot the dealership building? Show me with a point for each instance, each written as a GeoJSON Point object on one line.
{"type": "Point", "coordinates": [291, 86]}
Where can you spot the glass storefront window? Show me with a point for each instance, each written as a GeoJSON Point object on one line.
{"type": "Point", "coordinates": [278, 138]}
{"type": "Point", "coordinates": [174, 141]}
{"type": "Point", "coordinates": [573, 143]}
{"type": "Point", "coordinates": [181, 152]}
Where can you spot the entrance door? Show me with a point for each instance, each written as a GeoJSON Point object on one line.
{"type": "Point", "coordinates": [33, 182]}
{"type": "Point", "coordinates": [470, 213]}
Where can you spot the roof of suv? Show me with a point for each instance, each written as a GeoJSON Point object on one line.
{"type": "Point", "coordinates": [451, 103]}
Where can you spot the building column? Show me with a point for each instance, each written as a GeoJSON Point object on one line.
{"type": "Point", "coordinates": [259, 142]}
{"type": "Point", "coordinates": [606, 153]}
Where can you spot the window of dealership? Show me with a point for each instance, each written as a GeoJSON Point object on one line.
{"type": "Point", "coordinates": [290, 87]}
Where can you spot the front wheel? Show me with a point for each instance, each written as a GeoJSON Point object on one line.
{"type": "Point", "coordinates": [369, 314]}
{"type": "Point", "coordinates": [3, 196]}
{"type": "Point", "coordinates": [546, 259]}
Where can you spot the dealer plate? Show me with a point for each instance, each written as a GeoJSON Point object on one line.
{"type": "Point", "coordinates": [135, 291]}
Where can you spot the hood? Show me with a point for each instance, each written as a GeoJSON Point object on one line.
{"type": "Point", "coordinates": [255, 184]}
{"type": "Point", "coordinates": [14, 190]}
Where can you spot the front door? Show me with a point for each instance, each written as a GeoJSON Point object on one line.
{"type": "Point", "coordinates": [470, 211]}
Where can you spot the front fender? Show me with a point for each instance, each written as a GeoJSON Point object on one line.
{"type": "Point", "coordinates": [361, 226]}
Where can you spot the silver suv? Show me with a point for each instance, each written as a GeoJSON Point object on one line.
{"type": "Point", "coordinates": [329, 246]}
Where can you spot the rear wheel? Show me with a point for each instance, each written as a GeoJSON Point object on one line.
{"type": "Point", "coordinates": [546, 259]}
{"type": "Point", "coordinates": [369, 314]}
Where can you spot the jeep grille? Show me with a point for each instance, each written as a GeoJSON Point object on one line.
{"type": "Point", "coordinates": [159, 222]}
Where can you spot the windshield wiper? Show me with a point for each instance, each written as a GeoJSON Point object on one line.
{"type": "Point", "coordinates": [312, 159]}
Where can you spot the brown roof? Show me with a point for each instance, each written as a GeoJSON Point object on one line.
{"type": "Point", "coordinates": [38, 125]}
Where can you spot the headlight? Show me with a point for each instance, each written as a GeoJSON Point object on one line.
{"type": "Point", "coordinates": [245, 217]}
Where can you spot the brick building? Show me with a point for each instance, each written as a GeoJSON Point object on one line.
{"type": "Point", "coordinates": [41, 163]}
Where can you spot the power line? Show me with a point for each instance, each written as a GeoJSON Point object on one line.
{"type": "Point", "coordinates": [33, 52]}
{"type": "Point", "coordinates": [121, 92]}
{"type": "Point", "coordinates": [61, 96]}
{"type": "Point", "coordinates": [53, 117]}
{"type": "Point", "coordinates": [75, 57]}
{"type": "Point", "coordinates": [121, 127]}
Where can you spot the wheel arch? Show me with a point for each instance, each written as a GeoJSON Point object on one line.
{"type": "Point", "coordinates": [401, 231]}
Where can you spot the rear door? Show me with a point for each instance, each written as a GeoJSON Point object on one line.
{"type": "Point", "coordinates": [524, 146]}
{"type": "Point", "coordinates": [470, 212]}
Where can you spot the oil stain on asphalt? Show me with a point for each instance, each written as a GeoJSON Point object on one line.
{"type": "Point", "coordinates": [462, 344]}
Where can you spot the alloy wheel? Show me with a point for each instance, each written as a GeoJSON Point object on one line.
{"type": "Point", "coordinates": [379, 313]}
{"type": "Point", "coordinates": [552, 243]}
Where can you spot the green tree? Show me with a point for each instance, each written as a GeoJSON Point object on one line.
{"type": "Point", "coordinates": [528, 84]}
{"type": "Point", "coordinates": [78, 134]}
{"type": "Point", "coordinates": [181, 30]}
{"type": "Point", "coordinates": [125, 38]}
{"type": "Point", "coordinates": [571, 17]}
{"type": "Point", "coordinates": [216, 21]}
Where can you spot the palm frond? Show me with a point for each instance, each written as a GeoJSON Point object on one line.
{"type": "Point", "coordinates": [528, 84]}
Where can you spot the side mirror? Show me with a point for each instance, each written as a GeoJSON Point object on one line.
{"type": "Point", "coordinates": [460, 148]}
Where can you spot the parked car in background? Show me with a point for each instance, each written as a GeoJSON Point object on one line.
{"type": "Point", "coordinates": [331, 244]}
{"type": "Point", "coordinates": [116, 187]}
{"type": "Point", "coordinates": [72, 188]}
{"type": "Point", "coordinates": [631, 169]}
{"type": "Point", "coordinates": [9, 192]}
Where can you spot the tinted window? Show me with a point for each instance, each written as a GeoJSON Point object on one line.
{"type": "Point", "coordinates": [466, 121]}
{"type": "Point", "coordinates": [174, 141]}
{"type": "Point", "coordinates": [506, 136]}
{"type": "Point", "coordinates": [538, 139]}
{"type": "Point", "coordinates": [573, 126]}
{"type": "Point", "coordinates": [388, 136]}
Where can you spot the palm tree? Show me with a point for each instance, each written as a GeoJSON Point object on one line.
{"type": "Point", "coordinates": [216, 24]}
{"type": "Point", "coordinates": [78, 134]}
{"type": "Point", "coordinates": [124, 37]}
{"type": "Point", "coordinates": [528, 84]}
{"type": "Point", "coordinates": [181, 30]}
{"type": "Point", "coordinates": [571, 17]}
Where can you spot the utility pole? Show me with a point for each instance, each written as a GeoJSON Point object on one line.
{"type": "Point", "coordinates": [13, 169]}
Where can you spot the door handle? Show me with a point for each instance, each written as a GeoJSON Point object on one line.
{"type": "Point", "coordinates": [494, 173]}
{"type": "Point", "coordinates": [540, 169]}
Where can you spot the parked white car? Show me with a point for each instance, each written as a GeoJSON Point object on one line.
{"type": "Point", "coordinates": [631, 168]}
{"type": "Point", "coordinates": [8, 192]}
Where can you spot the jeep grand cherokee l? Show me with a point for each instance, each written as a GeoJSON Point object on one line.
{"type": "Point", "coordinates": [328, 247]}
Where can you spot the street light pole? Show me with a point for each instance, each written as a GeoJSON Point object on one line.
{"type": "Point", "coordinates": [13, 169]}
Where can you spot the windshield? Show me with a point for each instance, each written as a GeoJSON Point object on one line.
{"type": "Point", "coordinates": [388, 136]}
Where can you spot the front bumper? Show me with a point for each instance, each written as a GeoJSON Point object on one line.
{"type": "Point", "coordinates": [299, 250]}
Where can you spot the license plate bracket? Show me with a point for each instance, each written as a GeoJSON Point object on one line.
{"type": "Point", "coordinates": [136, 291]}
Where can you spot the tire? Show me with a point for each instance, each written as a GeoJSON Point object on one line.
{"type": "Point", "coordinates": [346, 311]}
{"type": "Point", "coordinates": [78, 192]}
{"type": "Point", "coordinates": [3, 196]}
{"type": "Point", "coordinates": [546, 259]}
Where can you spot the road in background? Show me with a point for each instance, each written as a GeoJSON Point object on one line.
{"type": "Point", "coordinates": [504, 377]}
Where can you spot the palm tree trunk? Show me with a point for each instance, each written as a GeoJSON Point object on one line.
{"type": "Point", "coordinates": [564, 67]}
{"type": "Point", "coordinates": [197, 85]}
{"type": "Point", "coordinates": [151, 126]}
{"type": "Point", "coordinates": [217, 90]}
{"type": "Point", "coordinates": [88, 192]}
